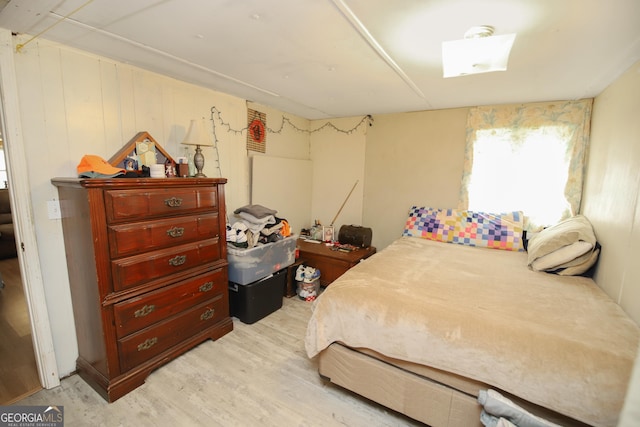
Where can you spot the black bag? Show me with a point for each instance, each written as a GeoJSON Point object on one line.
{"type": "Point", "coordinates": [355, 235]}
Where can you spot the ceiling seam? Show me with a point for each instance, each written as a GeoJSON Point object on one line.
{"type": "Point", "coordinates": [373, 43]}
{"type": "Point", "coordinates": [166, 55]}
{"type": "Point", "coordinates": [61, 18]}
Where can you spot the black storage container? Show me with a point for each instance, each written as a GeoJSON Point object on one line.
{"type": "Point", "coordinates": [256, 300]}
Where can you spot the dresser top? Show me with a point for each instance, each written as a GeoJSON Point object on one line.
{"type": "Point", "coordinates": [137, 182]}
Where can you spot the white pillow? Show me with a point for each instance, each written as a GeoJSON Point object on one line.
{"type": "Point", "coordinates": [575, 269]}
{"type": "Point", "coordinates": [562, 256]}
{"type": "Point", "coordinates": [569, 245]}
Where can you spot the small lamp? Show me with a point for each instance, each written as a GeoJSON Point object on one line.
{"type": "Point", "coordinates": [198, 136]}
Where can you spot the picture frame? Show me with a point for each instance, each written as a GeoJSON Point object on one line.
{"type": "Point", "coordinates": [316, 233]}
{"type": "Point", "coordinates": [141, 150]}
{"type": "Point", "coordinates": [327, 233]}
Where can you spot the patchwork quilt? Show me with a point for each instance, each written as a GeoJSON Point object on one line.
{"type": "Point", "coordinates": [497, 231]}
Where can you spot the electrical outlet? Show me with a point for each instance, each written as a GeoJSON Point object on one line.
{"type": "Point", "coordinates": [53, 209]}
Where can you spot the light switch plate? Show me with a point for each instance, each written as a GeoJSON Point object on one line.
{"type": "Point", "coordinates": [53, 209]}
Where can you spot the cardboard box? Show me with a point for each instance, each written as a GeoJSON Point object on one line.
{"type": "Point", "coordinates": [249, 265]}
{"type": "Point", "coordinates": [254, 301]}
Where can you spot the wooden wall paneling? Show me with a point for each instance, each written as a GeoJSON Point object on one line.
{"type": "Point", "coordinates": [630, 293]}
{"type": "Point", "coordinates": [32, 105]}
{"type": "Point", "coordinates": [112, 116]}
{"type": "Point", "coordinates": [39, 98]}
{"type": "Point", "coordinates": [83, 103]}
{"type": "Point", "coordinates": [183, 111]}
{"type": "Point", "coordinates": [55, 123]}
{"type": "Point", "coordinates": [126, 103]}
{"type": "Point", "coordinates": [234, 160]}
{"type": "Point", "coordinates": [124, 99]}
{"type": "Point", "coordinates": [168, 119]}
{"type": "Point", "coordinates": [610, 200]}
{"type": "Point", "coordinates": [203, 103]}
{"type": "Point", "coordinates": [148, 103]}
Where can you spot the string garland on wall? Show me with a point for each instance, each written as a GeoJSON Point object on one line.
{"type": "Point", "coordinates": [216, 114]}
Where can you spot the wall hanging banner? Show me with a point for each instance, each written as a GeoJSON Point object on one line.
{"type": "Point", "coordinates": [257, 131]}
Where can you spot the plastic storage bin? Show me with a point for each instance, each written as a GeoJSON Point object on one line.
{"type": "Point", "coordinates": [309, 291]}
{"type": "Point", "coordinates": [254, 301]}
{"type": "Point", "coordinates": [248, 265]}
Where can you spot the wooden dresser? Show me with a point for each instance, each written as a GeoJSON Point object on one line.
{"type": "Point", "coordinates": [147, 261]}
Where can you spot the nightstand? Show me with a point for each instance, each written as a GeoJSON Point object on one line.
{"type": "Point", "coordinates": [331, 263]}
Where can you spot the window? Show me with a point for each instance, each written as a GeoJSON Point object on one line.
{"type": "Point", "coordinates": [526, 158]}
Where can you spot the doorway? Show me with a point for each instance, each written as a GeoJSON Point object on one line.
{"type": "Point", "coordinates": [18, 371]}
{"type": "Point", "coordinates": [22, 215]}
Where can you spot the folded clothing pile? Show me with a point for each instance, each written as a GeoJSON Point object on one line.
{"type": "Point", "coordinates": [256, 225]}
{"type": "Point", "coordinates": [568, 248]}
{"type": "Point", "coordinates": [498, 411]}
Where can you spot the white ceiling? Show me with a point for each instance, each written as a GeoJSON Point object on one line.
{"type": "Point", "coordinates": [337, 58]}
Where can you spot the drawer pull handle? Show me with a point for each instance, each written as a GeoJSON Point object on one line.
{"type": "Point", "coordinates": [147, 309]}
{"type": "Point", "coordinates": [175, 232]}
{"type": "Point", "coordinates": [207, 314]}
{"type": "Point", "coordinates": [147, 344]}
{"type": "Point", "coordinates": [173, 202]}
{"type": "Point", "coordinates": [206, 287]}
{"type": "Point", "coordinates": [178, 260]}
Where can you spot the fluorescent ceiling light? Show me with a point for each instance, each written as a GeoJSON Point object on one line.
{"type": "Point", "coordinates": [478, 52]}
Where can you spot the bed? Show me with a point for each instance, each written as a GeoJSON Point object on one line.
{"type": "Point", "coordinates": [425, 326]}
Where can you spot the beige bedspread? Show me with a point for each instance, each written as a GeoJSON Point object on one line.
{"type": "Point", "coordinates": [555, 341]}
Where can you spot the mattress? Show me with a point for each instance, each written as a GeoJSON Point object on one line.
{"type": "Point", "coordinates": [555, 341]}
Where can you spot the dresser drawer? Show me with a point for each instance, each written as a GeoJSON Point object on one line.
{"type": "Point", "coordinates": [127, 239]}
{"type": "Point", "coordinates": [139, 312]}
{"type": "Point", "coordinates": [138, 269]}
{"type": "Point", "coordinates": [147, 343]}
{"type": "Point", "coordinates": [141, 203]}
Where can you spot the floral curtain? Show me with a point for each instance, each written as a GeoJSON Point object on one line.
{"type": "Point", "coordinates": [532, 134]}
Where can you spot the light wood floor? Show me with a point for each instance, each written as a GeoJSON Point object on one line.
{"type": "Point", "coordinates": [18, 371]}
{"type": "Point", "coordinates": [257, 375]}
